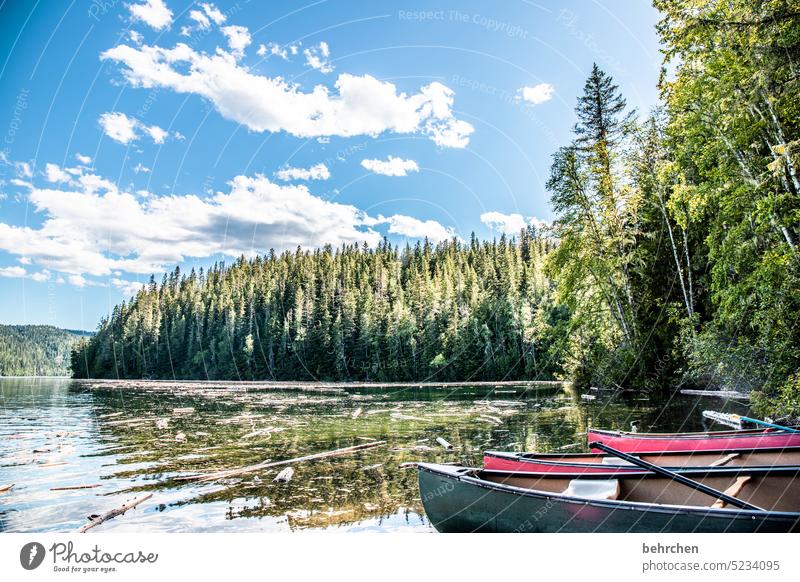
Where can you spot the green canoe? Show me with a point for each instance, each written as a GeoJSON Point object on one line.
{"type": "Point", "coordinates": [458, 499]}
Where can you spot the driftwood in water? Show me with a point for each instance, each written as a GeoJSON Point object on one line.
{"type": "Point", "coordinates": [71, 487]}
{"type": "Point", "coordinates": [266, 465]}
{"type": "Point", "coordinates": [444, 443]}
{"type": "Point", "coordinates": [4, 488]}
{"type": "Point", "coordinates": [95, 521]}
{"type": "Point", "coordinates": [284, 476]}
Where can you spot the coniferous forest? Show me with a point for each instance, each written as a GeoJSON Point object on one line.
{"type": "Point", "coordinates": [36, 350]}
{"type": "Point", "coordinates": [673, 258]}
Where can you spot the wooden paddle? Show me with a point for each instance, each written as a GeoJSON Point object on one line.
{"type": "Point", "coordinates": [676, 477]}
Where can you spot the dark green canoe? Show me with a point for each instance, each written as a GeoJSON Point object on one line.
{"type": "Point", "coordinates": [458, 499]}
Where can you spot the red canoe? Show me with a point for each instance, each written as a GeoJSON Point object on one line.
{"type": "Point", "coordinates": [582, 463]}
{"type": "Point", "coordinates": [634, 442]}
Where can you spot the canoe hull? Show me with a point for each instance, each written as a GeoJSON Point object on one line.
{"type": "Point", "coordinates": [725, 440]}
{"type": "Point", "coordinates": [587, 463]}
{"type": "Point", "coordinates": [459, 504]}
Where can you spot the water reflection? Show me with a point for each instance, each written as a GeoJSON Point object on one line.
{"type": "Point", "coordinates": [143, 437]}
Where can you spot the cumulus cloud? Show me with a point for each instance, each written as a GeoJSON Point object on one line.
{"type": "Point", "coordinates": [317, 57]}
{"type": "Point", "coordinates": [316, 172]}
{"type": "Point", "coordinates": [359, 105]}
{"type": "Point", "coordinates": [85, 160]}
{"type": "Point", "coordinates": [538, 94]}
{"type": "Point", "coordinates": [54, 173]}
{"type": "Point", "coordinates": [125, 130]}
{"type": "Point", "coordinates": [238, 38]}
{"type": "Point", "coordinates": [510, 223]}
{"type": "Point", "coordinates": [12, 272]}
{"type": "Point", "coordinates": [415, 228]}
{"type": "Point", "coordinates": [214, 13]}
{"type": "Point", "coordinates": [154, 13]}
{"type": "Point", "coordinates": [91, 228]}
{"type": "Point", "coordinates": [391, 166]}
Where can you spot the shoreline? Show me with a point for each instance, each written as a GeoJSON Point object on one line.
{"type": "Point", "coordinates": [277, 384]}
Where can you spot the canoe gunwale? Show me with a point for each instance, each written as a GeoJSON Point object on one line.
{"type": "Point", "coordinates": [734, 513]}
{"type": "Point", "coordinates": [537, 456]}
{"type": "Point", "coordinates": [559, 460]}
{"type": "Point", "coordinates": [687, 436]}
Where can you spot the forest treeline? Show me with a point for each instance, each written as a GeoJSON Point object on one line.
{"type": "Point", "coordinates": [36, 350]}
{"type": "Point", "coordinates": [456, 311]}
{"type": "Point", "coordinates": [673, 258]}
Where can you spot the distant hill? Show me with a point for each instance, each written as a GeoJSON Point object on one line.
{"type": "Point", "coordinates": [36, 350]}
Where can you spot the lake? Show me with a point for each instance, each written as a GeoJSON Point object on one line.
{"type": "Point", "coordinates": [131, 438]}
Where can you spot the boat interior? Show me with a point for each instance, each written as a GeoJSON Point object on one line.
{"type": "Point", "coordinates": [777, 490]}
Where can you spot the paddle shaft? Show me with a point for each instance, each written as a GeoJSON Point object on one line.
{"type": "Point", "coordinates": [675, 477]}
{"type": "Point", "coordinates": [762, 423]}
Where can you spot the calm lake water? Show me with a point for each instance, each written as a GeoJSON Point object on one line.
{"type": "Point", "coordinates": [133, 438]}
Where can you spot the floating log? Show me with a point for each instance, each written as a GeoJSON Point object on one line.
{"type": "Point", "coordinates": [97, 520]}
{"type": "Point", "coordinates": [71, 487]}
{"type": "Point", "coordinates": [444, 443]}
{"type": "Point", "coordinates": [357, 412]}
{"type": "Point", "coordinates": [716, 393]}
{"type": "Point", "coordinates": [284, 476]}
{"type": "Point", "coordinates": [5, 488]}
{"type": "Point", "coordinates": [266, 465]}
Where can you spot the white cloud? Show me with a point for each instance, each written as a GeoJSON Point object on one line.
{"type": "Point", "coordinates": [391, 166]}
{"type": "Point", "coordinates": [127, 288]}
{"type": "Point", "coordinates": [154, 13]}
{"type": "Point", "coordinates": [12, 272]}
{"type": "Point", "coordinates": [316, 172]}
{"type": "Point", "coordinates": [156, 133]}
{"type": "Point", "coordinates": [415, 228]}
{"type": "Point", "coordinates": [119, 127]}
{"type": "Point", "coordinates": [238, 38]}
{"type": "Point", "coordinates": [200, 18]}
{"type": "Point", "coordinates": [77, 280]}
{"type": "Point", "coordinates": [85, 160]}
{"type": "Point", "coordinates": [538, 94]}
{"type": "Point", "coordinates": [41, 276]}
{"type": "Point", "coordinates": [53, 173]}
{"type": "Point", "coordinates": [213, 12]}
{"type": "Point", "coordinates": [317, 57]}
{"type": "Point", "coordinates": [81, 234]}
{"type": "Point", "coordinates": [125, 130]}
{"type": "Point", "coordinates": [274, 49]}
{"type": "Point", "coordinates": [135, 36]}
{"type": "Point", "coordinates": [361, 105]}
{"type": "Point", "coordinates": [510, 223]}
{"type": "Point", "coordinates": [140, 168]}
{"type": "Point", "coordinates": [23, 169]}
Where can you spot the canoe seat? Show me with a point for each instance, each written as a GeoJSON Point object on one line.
{"type": "Point", "coordinates": [616, 462]}
{"type": "Point", "coordinates": [733, 491]}
{"type": "Point", "coordinates": [593, 488]}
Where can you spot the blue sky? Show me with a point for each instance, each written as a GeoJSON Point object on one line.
{"type": "Point", "coordinates": [137, 136]}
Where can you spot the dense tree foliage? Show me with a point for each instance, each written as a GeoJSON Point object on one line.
{"type": "Point", "coordinates": [456, 311]}
{"type": "Point", "coordinates": [36, 350]}
{"type": "Point", "coordinates": [733, 177]}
